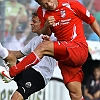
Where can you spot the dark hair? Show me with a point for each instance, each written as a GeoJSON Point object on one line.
{"type": "Point", "coordinates": [34, 14]}
{"type": "Point", "coordinates": [37, 1]}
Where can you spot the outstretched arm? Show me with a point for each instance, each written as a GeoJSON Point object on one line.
{"type": "Point", "coordinates": [96, 28]}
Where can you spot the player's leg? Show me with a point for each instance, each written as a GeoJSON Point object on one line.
{"type": "Point", "coordinates": [28, 81]}
{"type": "Point", "coordinates": [75, 90]}
{"type": "Point", "coordinates": [3, 52]}
{"type": "Point", "coordinates": [10, 60]}
{"type": "Point", "coordinates": [71, 68]}
{"type": "Point", "coordinates": [17, 96]}
{"type": "Point", "coordinates": [34, 57]}
{"type": "Point", "coordinates": [72, 77]}
{"type": "Point", "coordinates": [7, 56]}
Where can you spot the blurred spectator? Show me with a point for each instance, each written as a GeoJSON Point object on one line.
{"type": "Point", "coordinates": [7, 24]}
{"type": "Point", "coordinates": [92, 90]}
{"type": "Point", "coordinates": [92, 36]}
{"type": "Point", "coordinates": [81, 1]}
{"type": "Point", "coordinates": [24, 2]}
{"type": "Point", "coordinates": [12, 8]}
{"type": "Point", "coordinates": [7, 27]}
{"type": "Point", "coordinates": [34, 5]}
{"type": "Point", "coordinates": [29, 37]}
{"type": "Point", "coordinates": [94, 7]}
{"type": "Point", "coordinates": [97, 5]}
{"type": "Point", "coordinates": [15, 39]}
{"type": "Point", "coordinates": [89, 5]}
{"type": "Point", "coordinates": [0, 28]}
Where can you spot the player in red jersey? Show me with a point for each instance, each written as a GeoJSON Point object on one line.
{"type": "Point", "coordinates": [64, 18]}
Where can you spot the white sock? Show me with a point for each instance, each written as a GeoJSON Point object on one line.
{"type": "Point", "coordinates": [3, 52]}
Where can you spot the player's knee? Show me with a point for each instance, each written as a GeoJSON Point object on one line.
{"type": "Point", "coordinates": [17, 96]}
{"type": "Point", "coordinates": [43, 47]}
{"type": "Point", "coordinates": [75, 95]}
{"type": "Point", "coordinates": [75, 90]}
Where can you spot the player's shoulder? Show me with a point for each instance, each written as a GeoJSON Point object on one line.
{"type": "Point", "coordinates": [73, 3]}
{"type": "Point", "coordinates": [39, 9]}
{"type": "Point", "coordinates": [35, 38]}
{"type": "Point", "coordinates": [69, 1]}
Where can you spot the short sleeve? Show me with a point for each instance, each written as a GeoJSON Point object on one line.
{"type": "Point", "coordinates": [82, 12]}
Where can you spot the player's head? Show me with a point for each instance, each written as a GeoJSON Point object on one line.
{"type": "Point", "coordinates": [35, 23]}
{"type": "Point", "coordinates": [48, 4]}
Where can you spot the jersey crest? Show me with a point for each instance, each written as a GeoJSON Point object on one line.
{"type": "Point", "coordinates": [63, 13]}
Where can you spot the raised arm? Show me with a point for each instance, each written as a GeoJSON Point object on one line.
{"type": "Point", "coordinates": [18, 54]}
{"type": "Point", "coordinates": [15, 22]}
{"type": "Point", "coordinates": [47, 25]}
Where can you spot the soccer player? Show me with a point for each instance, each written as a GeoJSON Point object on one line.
{"type": "Point", "coordinates": [64, 18]}
{"type": "Point", "coordinates": [35, 78]}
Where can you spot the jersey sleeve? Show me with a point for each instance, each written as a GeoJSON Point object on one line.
{"type": "Point", "coordinates": [83, 13]}
{"type": "Point", "coordinates": [27, 49]}
{"type": "Point", "coordinates": [33, 43]}
{"type": "Point", "coordinates": [40, 16]}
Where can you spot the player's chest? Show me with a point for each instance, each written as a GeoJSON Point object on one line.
{"type": "Point", "coordinates": [62, 13]}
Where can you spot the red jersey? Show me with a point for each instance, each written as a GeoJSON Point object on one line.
{"type": "Point", "coordinates": [69, 16]}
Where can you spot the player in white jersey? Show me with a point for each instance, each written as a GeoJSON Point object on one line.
{"type": "Point", "coordinates": [36, 77]}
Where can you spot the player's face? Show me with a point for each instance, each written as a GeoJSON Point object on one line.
{"type": "Point", "coordinates": [49, 4]}
{"type": "Point", "coordinates": [35, 25]}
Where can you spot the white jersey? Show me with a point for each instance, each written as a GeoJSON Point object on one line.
{"type": "Point", "coordinates": [46, 65]}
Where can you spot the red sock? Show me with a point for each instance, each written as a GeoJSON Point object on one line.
{"type": "Point", "coordinates": [30, 59]}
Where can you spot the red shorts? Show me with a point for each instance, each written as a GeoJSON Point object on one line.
{"type": "Point", "coordinates": [71, 56]}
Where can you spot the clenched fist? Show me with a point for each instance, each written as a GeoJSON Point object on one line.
{"type": "Point", "coordinates": [50, 21]}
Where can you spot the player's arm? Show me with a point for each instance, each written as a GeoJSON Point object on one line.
{"type": "Point", "coordinates": [95, 27]}
{"type": "Point", "coordinates": [48, 24]}
{"type": "Point", "coordinates": [18, 54]}
{"type": "Point", "coordinates": [46, 30]}
{"type": "Point", "coordinates": [25, 50]}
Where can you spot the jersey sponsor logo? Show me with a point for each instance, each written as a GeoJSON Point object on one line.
{"type": "Point", "coordinates": [62, 22]}
{"type": "Point", "coordinates": [28, 84]}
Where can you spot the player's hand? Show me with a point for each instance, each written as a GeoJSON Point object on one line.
{"type": "Point", "coordinates": [50, 21]}
{"type": "Point", "coordinates": [46, 38]}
